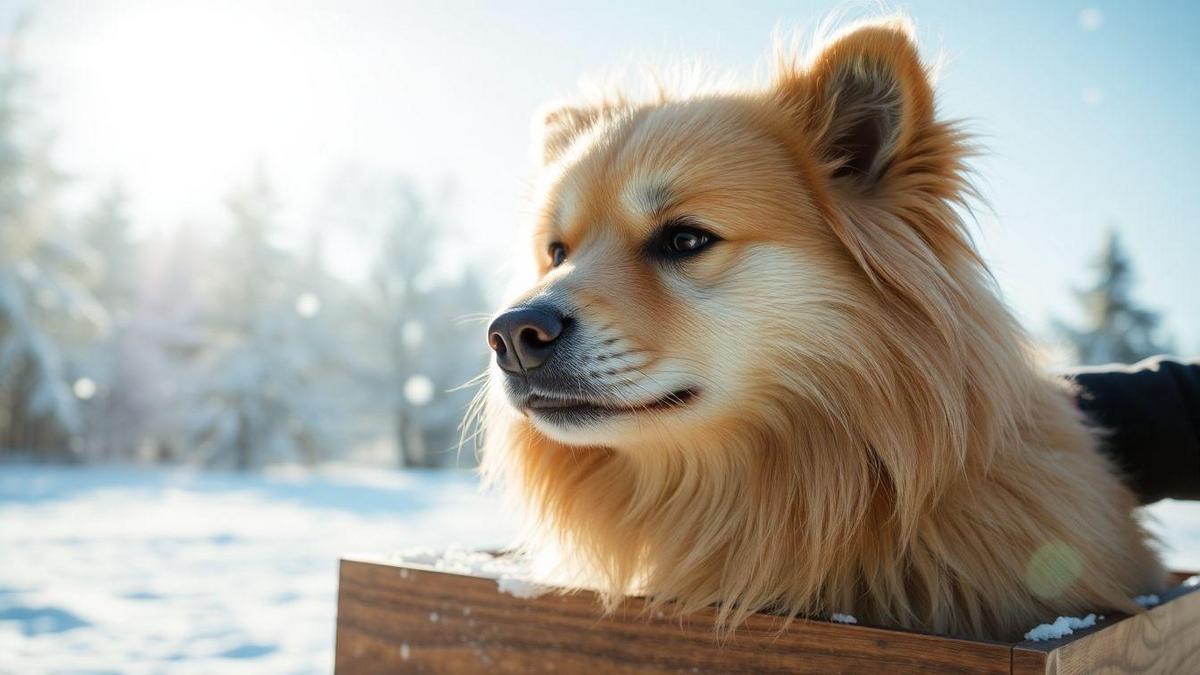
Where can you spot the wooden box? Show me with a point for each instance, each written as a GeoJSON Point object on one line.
{"type": "Point", "coordinates": [402, 617]}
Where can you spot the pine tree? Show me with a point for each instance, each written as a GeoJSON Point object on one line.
{"type": "Point", "coordinates": [107, 231]}
{"type": "Point", "coordinates": [45, 306]}
{"type": "Point", "coordinates": [1116, 328]}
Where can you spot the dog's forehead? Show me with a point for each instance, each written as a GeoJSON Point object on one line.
{"type": "Point", "coordinates": [662, 158]}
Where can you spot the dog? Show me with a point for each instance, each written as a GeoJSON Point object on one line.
{"type": "Point", "coordinates": [762, 367]}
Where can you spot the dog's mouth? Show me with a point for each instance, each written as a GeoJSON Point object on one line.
{"type": "Point", "coordinates": [568, 410]}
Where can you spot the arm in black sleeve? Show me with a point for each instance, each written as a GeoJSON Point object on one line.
{"type": "Point", "coordinates": [1151, 412]}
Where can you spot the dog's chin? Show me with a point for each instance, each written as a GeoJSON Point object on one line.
{"type": "Point", "coordinates": [593, 421]}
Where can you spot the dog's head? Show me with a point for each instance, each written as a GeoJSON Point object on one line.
{"type": "Point", "coordinates": [694, 253]}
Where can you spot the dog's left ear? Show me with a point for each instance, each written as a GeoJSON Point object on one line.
{"type": "Point", "coordinates": [865, 99]}
{"type": "Point", "coordinates": [559, 125]}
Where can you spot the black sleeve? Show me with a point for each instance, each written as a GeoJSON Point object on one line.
{"type": "Point", "coordinates": [1151, 411]}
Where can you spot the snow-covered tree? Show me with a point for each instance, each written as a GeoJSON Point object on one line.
{"type": "Point", "coordinates": [420, 320]}
{"type": "Point", "coordinates": [108, 233]}
{"type": "Point", "coordinates": [257, 392]}
{"type": "Point", "coordinates": [45, 306]}
{"type": "Point", "coordinates": [163, 337]}
{"type": "Point", "coordinates": [429, 345]}
{"type": "Point", "coordinates": [1116, 328]}
{"type": "Point", "coordinates": [322, 309]}
{"type": "Point", "coordinates": [445, 343]}
{"type": "Point", "coordinates": [112, 367]}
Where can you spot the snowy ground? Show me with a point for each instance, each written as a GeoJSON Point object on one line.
{"type": "Point", "coordinates": [140, 570]}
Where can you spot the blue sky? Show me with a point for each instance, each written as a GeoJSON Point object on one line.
{"type": "Point", "coordinates": [1087, 110]}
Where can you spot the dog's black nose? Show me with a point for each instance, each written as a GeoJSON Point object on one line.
{"type": "Point", "coordinates": [525, 337]}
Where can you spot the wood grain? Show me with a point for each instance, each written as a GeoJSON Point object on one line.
{"type": "Point", "coordinates": [405, 619]}
{"type": "Point", "coordinates": [401, 618]}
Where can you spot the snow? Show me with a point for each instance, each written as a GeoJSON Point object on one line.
{"type": "Point", "coordinates": [521, 588]}
{"type": "Point", "coordinates": [1147, 600]}
{"type": "Point", "coordinates": [152, 570]}
{"type": "Point", "coordinates": [142, 570]}
{"type": "Point", "coordinates": [1062, 627]}
{"type": "Point", "coordinates": [512, 575]}
{"type": "Point", "coordinates": [1177, 525]}
{"type": "Point", "coordinates": [843, 618]}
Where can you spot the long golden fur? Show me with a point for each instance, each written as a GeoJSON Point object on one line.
{"type": "Point", "coordinates": [870, 435]}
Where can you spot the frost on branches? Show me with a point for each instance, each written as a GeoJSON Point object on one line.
{"type": "Point", "coordinates": [45, 307]}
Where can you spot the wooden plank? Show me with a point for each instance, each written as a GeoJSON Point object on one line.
{"type": "Point", "coordinates": [401, 618]}
{"type": "Point", "coordinates": [410, 618]}
{"type": "Point", "coordinates": [1165, 639]}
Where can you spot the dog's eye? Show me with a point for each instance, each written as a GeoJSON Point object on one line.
{"type": "Point", "coordinates": [680, 241]}
{"type": "Point", "coordinates": [688, 241]}
{"type": "Point", "coordinates": [558, 253]}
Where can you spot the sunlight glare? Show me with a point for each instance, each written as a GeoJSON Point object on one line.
{"type": "Point", "coordinates": [196, 94]}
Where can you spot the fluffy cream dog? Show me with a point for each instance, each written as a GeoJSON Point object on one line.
{"type": "Point", "coordinates": [763, 367]}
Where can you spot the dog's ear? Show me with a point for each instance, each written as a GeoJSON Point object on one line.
{"type": "Point", "coordinates": [559, 125]}
{"type": "Point", "coordinates": [862, 107]}
{"type": "Point", "coordinates": [864, 98]}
